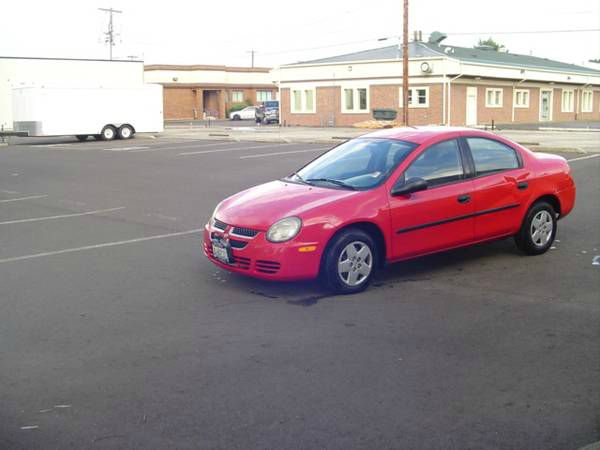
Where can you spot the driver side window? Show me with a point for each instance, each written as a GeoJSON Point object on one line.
{"type": "Point", "coordinates": [438, 164]}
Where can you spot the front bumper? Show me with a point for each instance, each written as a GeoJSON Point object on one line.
{"type": "Point", "coordinates": [260, 258]}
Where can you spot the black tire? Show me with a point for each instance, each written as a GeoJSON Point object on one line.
{"type": "Point", "coordinates": [332, 257]}
{"type": "Point", "coordinates": [82, 137]}
{"type": "Point", "coordinates": [108, 133]}
{"type": "Point", "coordinates": [526, 240]}
{"type": "Point", "coordinates": [125, 132]}
{"type": "Point", "coordinates": [235, 117]}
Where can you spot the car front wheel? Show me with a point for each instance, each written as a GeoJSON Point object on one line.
{"type": "Point", "coordinates": [538, 230]}
{"type": "Point", "coordinates": [349, 262]}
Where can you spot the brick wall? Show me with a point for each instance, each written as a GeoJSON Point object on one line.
{"type": "Point", "coordinates": [179, 103]}
{"type": "Point", "coordinates": [329, 107]}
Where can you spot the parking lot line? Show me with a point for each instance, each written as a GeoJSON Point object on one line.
{"type": "Point", "coordinates": [30, 197]}
{"type": "Point", "coordinates": [262, 155]}
{"type": "Point", "coordinates": [123, 149]}
{"type": "Point", "coordinates": [204, 152]}
{"type": "Point", "coordinates": [62, 216]}
{"type": "Point", "coordinates": [581, 158]}
{"type": "Point", "coordinates": [97, 246]}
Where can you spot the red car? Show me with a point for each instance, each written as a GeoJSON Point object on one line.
{"type": "Point", "coordinates": [390, 196]}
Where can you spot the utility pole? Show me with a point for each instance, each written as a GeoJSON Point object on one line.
{"type": "Point", "coordinates": [252, 52]}
{"type": "Point", "coordinates": [110, 34]}
{"type": "Point", "coordinates": [405, 66]}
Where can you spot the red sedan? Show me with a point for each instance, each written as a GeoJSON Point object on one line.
{"type": "Point", "coordinates": [390, 196]}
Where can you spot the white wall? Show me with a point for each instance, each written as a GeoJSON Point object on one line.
{"type": "Point", "coordinates": [21, 72]}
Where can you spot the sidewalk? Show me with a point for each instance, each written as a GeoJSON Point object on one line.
{"type": "Point", "coordinates": [563, 141]}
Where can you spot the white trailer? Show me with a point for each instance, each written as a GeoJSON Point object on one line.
{"type": "Point", "coordinates": [104, 113]}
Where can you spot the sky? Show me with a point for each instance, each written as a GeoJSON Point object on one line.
{"type": "Point", "coordinates": [282, 31]}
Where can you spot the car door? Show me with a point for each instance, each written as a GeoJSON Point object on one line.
{"type": "Point", "coordinates": [439, 217]}
{"type": "Point", "coordinates": [500, 186]}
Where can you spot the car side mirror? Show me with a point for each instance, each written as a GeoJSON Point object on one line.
{"type": "Point", "coordinates": [412, 185]}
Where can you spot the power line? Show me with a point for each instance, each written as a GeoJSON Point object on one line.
{"type": "Point", "coordinates": [110, 34]}
{"type": "Point", "coordinates": [523, 32]}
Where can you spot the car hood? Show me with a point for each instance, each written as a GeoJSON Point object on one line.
{"type": "Point", "coordinates": [261, 206]}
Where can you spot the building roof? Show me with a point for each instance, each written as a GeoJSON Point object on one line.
{"type": "Point", "coordinates": [417, 49]}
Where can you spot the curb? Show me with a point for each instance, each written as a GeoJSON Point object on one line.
{"type": "Point", "coordinates": [592, 446]}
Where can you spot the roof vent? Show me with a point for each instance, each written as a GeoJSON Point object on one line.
{"type": "Point", "coordinates": [436, 37]}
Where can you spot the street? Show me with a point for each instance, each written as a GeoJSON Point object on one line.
{"type": "Point", "coordinates": [117, 332]}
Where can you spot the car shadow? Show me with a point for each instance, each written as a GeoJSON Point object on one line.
{"type": "Point", "coordinates": [451, 262]}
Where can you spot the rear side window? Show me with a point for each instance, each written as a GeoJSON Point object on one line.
{"type": "Point", "coordinates": [439, 164]}
{"type": "Point", "coordinates": [492, 156]}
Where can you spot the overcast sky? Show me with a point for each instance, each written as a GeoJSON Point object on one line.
{"type": "Point", "coordinates": [281, 31]}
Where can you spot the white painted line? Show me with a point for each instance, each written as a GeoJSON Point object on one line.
{"type": "Point", "coordinates": [581, 158]}
{"type": "Point", "coordinates": [93, 247]}
{"type": "Point", "coordinates": [62, 216]}
{"type": "Point", "coordinates": [262, 155]}
{"type": "Point", "coordinates": [157, 148]}
{"type": "Point", "coordinates": [596, 261]}
{"type": "Point", "coordinates": [6, 191]}
{"type": "Point", "coordinates": [123, 149]}
{"type": "Point", "coordinates": [231, 149]}
{"type": "Point", "coordinates": [31, 197]}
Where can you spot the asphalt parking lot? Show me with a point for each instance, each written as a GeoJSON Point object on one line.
{"type": "Point", "coordinates": [116, 332]}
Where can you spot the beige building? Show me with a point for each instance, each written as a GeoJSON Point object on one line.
{"type": "Point", "coordinates": [195, 91]}
{"type": "Point", "coordinates": [448, 85]}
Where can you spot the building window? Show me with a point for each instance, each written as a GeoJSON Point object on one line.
{"type": "Point", "coordinates": [568, 103]}
{"type": "Point", "coordinates": [303, 100]}
{"type": "Point", "coordinates": [237, 96]}
{"type": "Point", "coordinates": [521, 98]}
{"type": "Point", "coordinates": [493, 97]}
{"type": "Point", "coordinates": [264, 96]}
{"type": "Point", "coordinates": [418, 97]}
{"type": "Point", "coordinates": [587, 101]}
{"type": "Point", "coordinates": [355, 100]}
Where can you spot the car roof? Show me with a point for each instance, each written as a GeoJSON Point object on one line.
{"type": "Point", "coordinates": [418, 135]}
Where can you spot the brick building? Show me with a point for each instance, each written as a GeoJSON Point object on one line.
{"type": "Point", "coordinates": [195, 91]}
{"type": "Point", "coordinates": [448, 85]}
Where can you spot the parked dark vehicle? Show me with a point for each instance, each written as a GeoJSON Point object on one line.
{"type": "Point", "coordinates": [268, 112]}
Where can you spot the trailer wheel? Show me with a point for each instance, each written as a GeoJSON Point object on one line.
{"type": "Point", "coordinates": [82, 137]}
{"type": "Point", "coordinates": [108, 133]}
{"type": "Point", "coordinates": [125, 132]}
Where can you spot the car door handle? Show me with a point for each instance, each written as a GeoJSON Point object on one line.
{"type": "Point", "coordinates": [463, 198]}
{"type": "Point", "coordinates": [522, 185]}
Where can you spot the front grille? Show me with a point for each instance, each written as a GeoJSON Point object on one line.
{"type": "Point", "coordinates": [238, 245]}
{"type": "Point", "coordinates": [267, 266]}
{"type": "Point", "coordinates": [247, 232]}
{"type": "Point", "coordinates": [219, 225]}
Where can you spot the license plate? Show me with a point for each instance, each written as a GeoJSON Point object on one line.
{"type": "Point", "coordinates": [221, 252]}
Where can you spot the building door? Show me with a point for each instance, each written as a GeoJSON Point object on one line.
{"type": "Point", "coordinates": [471, 118]}
{"type": "Point", "coordinates": [545, 105]}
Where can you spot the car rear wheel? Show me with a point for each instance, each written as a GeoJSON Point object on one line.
{"type": "Point", "coordinates": [349, 262]}
{"type": "Point", "coordinates": [538, 230]}
{"type": "Point", "coordinates": [108, 133]}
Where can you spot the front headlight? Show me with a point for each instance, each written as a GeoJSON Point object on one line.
{"type": "Point", "coordinates": [211, 221]}
{"type": "Point", "coordinates": [284, 229]}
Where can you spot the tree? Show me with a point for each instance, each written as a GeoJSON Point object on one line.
{"type": "Point", "coordinates": [489, 42]}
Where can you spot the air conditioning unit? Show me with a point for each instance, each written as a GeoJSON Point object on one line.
{"type": "Point", "coordinates": [426, 67]}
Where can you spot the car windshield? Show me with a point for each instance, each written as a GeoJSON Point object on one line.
{"type": "Point", "coordinates": [357, 164]}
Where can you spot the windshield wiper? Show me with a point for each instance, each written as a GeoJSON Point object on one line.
{"type": "Point", "coordinates": [332, 181]}
{"type": "Point", "coordinates": [295, 174]}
